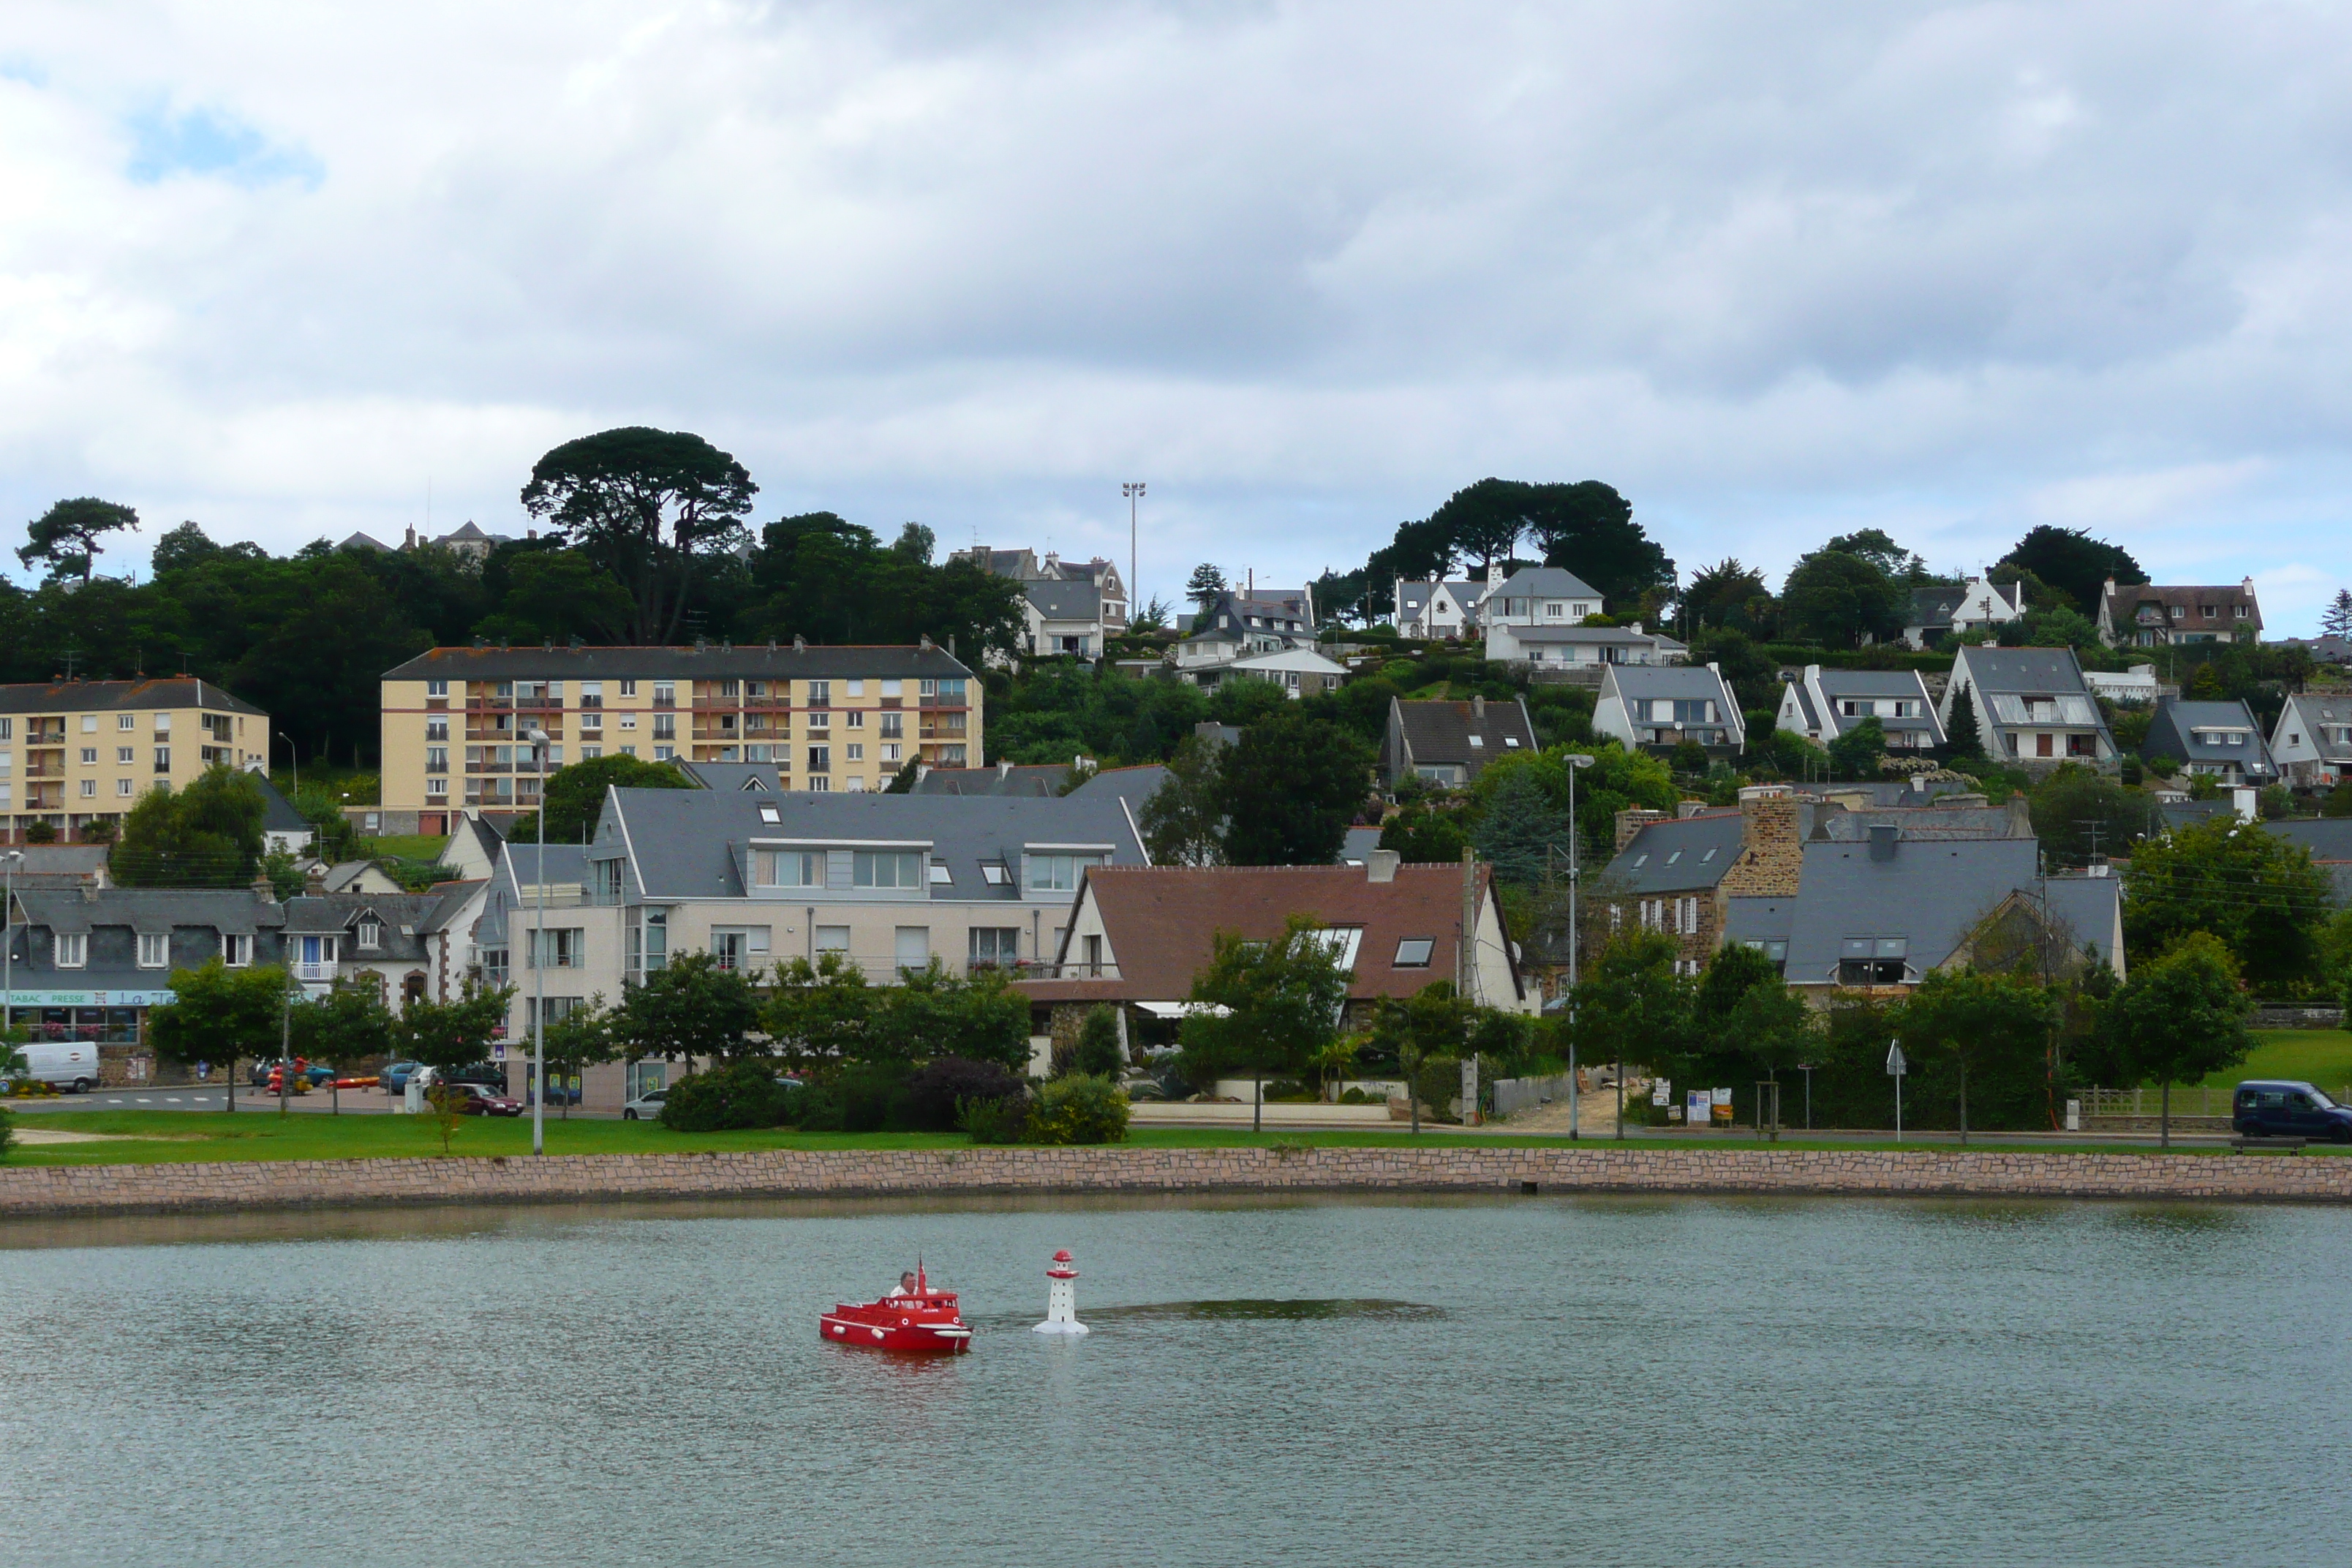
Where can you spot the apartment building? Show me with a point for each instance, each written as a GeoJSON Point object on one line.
{"type": "Point", "coordinates": [77, 751]}
{"type": "Point", "coordinates": [457, 720]}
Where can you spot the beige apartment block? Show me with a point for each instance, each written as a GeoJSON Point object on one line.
{"type": "Point", "coordinates": [457, 720]}
{"type": "Point", "coordinates": [73, 752]}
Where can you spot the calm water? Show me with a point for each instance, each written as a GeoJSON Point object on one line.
{"type": "Point", "coordinates": [1513, 1382]}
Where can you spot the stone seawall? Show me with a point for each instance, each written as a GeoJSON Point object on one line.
{"type": "Point", "coordinates": [803, 1172]}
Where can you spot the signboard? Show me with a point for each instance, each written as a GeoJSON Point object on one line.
{"type": "Point", "coordinates": [1723, 1106]}
{"type": "Point", "coordinates": [1661, 1092]}
{"type": "Point", "coordinates": [89, 998]}
{"type": "Point", "coordinates": [1698, 1108]}
{"type": "Point", "coordinates": [1895, 1065]}
{"type": "Point", "coordinates": [498, 1050]}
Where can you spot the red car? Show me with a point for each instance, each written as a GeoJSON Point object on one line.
{"type": "Point", "coordinates": [476, 1101]}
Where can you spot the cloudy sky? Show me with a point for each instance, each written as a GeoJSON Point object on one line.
{"type": "Point", "coordinates": [1774, 270]}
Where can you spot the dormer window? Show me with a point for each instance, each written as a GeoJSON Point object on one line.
{"type": "Point", "coordinates": [371, 934]}
{"type": "Point", "coordinates": [73, 950]}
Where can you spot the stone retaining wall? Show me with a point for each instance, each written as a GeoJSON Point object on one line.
{"type": "Point", "coordinates": [791, 1173]}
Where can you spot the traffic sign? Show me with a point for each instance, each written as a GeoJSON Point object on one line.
{"type": "Point", "coordinates": [1895, 1065]}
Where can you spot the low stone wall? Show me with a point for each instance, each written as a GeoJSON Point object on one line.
{"type": "Point", "coordinates": [792, 1172]}
{"type": "Point", "coordinates": [2297, 1018]}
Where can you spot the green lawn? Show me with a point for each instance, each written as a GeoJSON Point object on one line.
{"type": "Point", "coordinates": [407, 845]}
{"type": "Point", "coordinates": [156, 1136]}
{"type": "Point", "coordinates": [2321, 1057]}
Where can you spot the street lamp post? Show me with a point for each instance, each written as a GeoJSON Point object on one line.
{"type": "Point", "coordinates": [1134, 494]}
{"type": "Point", "coordinates": [14, 858]}
{"type": "Point", "coordinates": [296, 752]}
{"type": "Point", "coordinates": [1577, 763]}
{"type": "Point", "coordinates": [538, 739]}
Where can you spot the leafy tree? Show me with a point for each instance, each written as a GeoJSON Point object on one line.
{"type": "Point", "coordinates": [648, 506]}
{"type": "Point", "coordinates": [688, 1008]}
{"type": "Point", "coordinates": [41, 831]}
{"type": "Point", "coordinates": [914, 542]}
{"type": "Point", "coordinates": [581, 1038]}
{"type": "Point", "coordinates": [1840, 600]}
{"type": "Point", "coordinates": [932, 1013]}
{"type": "Point", "coordinates": [2071, 561]}
{"type": "Point", "coordinates": [2338, 800]}
{"type": "Point", "coordinates": [817, 1013]}
{"type": "Point", "coordinates": [2260, 895]}
{"type": "Point", "coordinates": [1589, 528]}
{"type": "Point", "coordinates": [218, 1013]}
{"type": "Point", "coordinates": [2077, 810]}
{"type": "Point", "coordinates": [2182, 1017]}
{"type": "Point", "coordinates": [1854, 752]}
{"type": "Point", "coordinates": [575, 795]}
{"type": "Point", "coordinates": [1993, 1022]}
{"type": "Point", "coordinates": [1617, 780]}
{"type": "Point", "coordinates": [1728, 595]}
{"type": "Point", "coordinates": [1282, 1000]}
{"type": "Point", "coordinates": [1430, 1026]}
{"type": "Point", "coordinates": [1340, 596]}
{"type": "Point", "coordinates": [450, 1035]}
{"type": "Point", "coordinates": [1097, 1050]}
{"type": "Point", "coordinates": [1632, 1004]}
{"type": "Point", "coordinates": [1423, 552]}
{"type": "Point", "coordinates": [1877, 547]}
{"type": "Point", "coordinates": [206, 835]}
{"type": "Point", "coordinates": [1183, 822]}
{"type": "Point", "coordinates": [181, 548]}
{"type": "Point", "coordinates": [831, 581]}
{"type": "Point", "coordinates": [68, 535]}
{"type": "Point", "coordinates": [1292, 784]}
{"type": "Point", "coordinates": [736, 1096]}
{"type": "Point", "coordinates": [347, 1024]}
{"type": "Point", "coordinates": [1427, 832]}
{"type": "Point", "coordinates": [1753, 675]}
{"type": "Point", "coordinates": [1520, 828]}
{"type": "Point", "coordinates": [547, 593]}
{"type": "Point", "coordinates": [1745, 1013]}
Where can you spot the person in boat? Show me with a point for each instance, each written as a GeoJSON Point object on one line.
{"type": "Point", "coordinates": [906, 1284]}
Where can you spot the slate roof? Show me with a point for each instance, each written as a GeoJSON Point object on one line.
{"type": "Point", "coordinates": [1623, 635]}
{"type": "Point", "coordinates": [277, 813]}
{"type": "Point", "coordinates": [1924, 824]}
{"type": "Point", "coordinates": [728, 775]}
{"type": "Point", "coordinates": [1806, 712]}
{"type": "Point", "coordinates": [1355, 847]}
{"type": "Point", "coordinates": [1932, 895]}
{"type": "Point", "coordinates": [1412, 598]}
{"type": "Point", "coordinates": [1060, 601]}
{"type": "Point", "coordinates": [152, 910]}
{"type": "Point", "coordinates": [1545, 583]}
{"type": "Point", "coordinates": [2024, 672]}
{"type": "Point", "coordinates": [1932, 608]}
{"type": "Point", "coordinates": [1688, 682]}
{"type": "Point", "coordinates": [1163, 922]}
{"type": "Point", "coordinates": [690, 843]}
{"type": "Point", "coordinates": [2327, 838]}
{"type": "Point", "coordinates": [1132, 784]}
{"type": "Point", "coordinates": [1442, 731]}
{"type": "Point", "coordinates": [2174, 729]}
{"type": "Point", "coordinates": [1838, 684]}
{"type": "Point", "coordinates": [786, 663]}
{"type": "Point", "coordinates": [409, 920]}
{"type": "Point", "coordinates": [1038, 779]}
{"type": "Point", "coordinates": [1677, 856]}
{"type": "Point", "coordinates": [97, 696]}
{"type": "Point", "coordinates": [2315, 714]}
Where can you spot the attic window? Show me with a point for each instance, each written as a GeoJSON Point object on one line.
{"type": "Point", "coordinates": [993, 873]}
{"type": "Point", "coordinates": [1511, 741]}
{"type": "Point", "coordinates": [1675, 856]}
{"type": "Point", "coordinates": [1705, 857]}
{"type": "Point", "coordinates": [370, 933]}
{"type": "Point", "coordinates": [1641, 860]}
{"type": "Point", "coordinates": [1413, 953]}
{"type": "Point", "coordinates": [940, 875]}
{"type": "Point", "coordinates": [769, 813]}
{"type": "Point", "coordinates": [1478, 740]}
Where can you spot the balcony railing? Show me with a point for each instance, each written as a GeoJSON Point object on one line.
{"type": "Point", "coordinates": [314, 970]}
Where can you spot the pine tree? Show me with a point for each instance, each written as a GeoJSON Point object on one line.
{"type": "Point", "coordinates": [2337, 620]}
{"type": "Point", "coordinates": [1521, 825]}
{"type": "Point", "coordinates": [1205, 584]}
{"type": "Point", "coordinates": [1961, 738]}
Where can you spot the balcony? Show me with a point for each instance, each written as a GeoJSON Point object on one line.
{"type": "Point", "coordinates": [313, 971]}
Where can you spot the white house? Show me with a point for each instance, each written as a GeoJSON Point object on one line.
{"type": "Point", "coordinates": [1973, 606]}
{"type": "Point", "coordinates": [1823, 704]}
{"type": "Point", "coordinates": [2312, 742]}
{"type": "Point", "coordinates": [2032, 706]}
{"type": "Point", "coordinates": [1437, 609]}
{"type": "Point", "coordinates": [1658, 709]}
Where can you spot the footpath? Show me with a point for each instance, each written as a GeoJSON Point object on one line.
{"type": "Point", "coordinates": [1582, 1167]}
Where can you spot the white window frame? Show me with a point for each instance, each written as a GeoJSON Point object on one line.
{"type": "Point", "coordinates": [73, 950]}
{"type": "Point", "coordinates": [155, 950]}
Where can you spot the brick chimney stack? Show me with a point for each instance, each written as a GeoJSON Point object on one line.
{"type": "Point", "coordinates": [1631, 823]}
{"type": "Point", "coordinates": [1771, 858]}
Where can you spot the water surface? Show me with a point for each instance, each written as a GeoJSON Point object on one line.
{"type": "Point", "coordinates": [1505, 1382]}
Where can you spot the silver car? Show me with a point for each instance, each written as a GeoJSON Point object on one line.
{"type": "Point", "coordinates": [646, 1107]}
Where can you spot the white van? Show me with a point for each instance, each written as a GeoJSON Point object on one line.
{"type": "Point", "coordinates": [69, 1065]}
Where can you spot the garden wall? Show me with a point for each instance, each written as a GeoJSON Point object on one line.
{"type": "Point", "coordinates": [786, 1173]}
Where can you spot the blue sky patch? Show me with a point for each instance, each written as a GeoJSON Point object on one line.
{"type": "Point", "coordinates": [207, 141]}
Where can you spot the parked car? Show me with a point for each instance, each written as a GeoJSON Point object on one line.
{"type": "Point", "coordinates": [646, 1107]}
{"type": "Point", "coordinates": [396, 1075]}
{"type": "Point", "coordinates": [2280, 1107]}
{"type": "Point", "coordinates": [68, 1065]}
{"type": "Point", "coordinates": [476, 1101]}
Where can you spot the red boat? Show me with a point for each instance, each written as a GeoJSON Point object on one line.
{"type": "Point", "coordinates": [912, 1318]}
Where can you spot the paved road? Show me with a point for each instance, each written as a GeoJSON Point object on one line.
{"type": "Point", "coordinates": [215, 1098]}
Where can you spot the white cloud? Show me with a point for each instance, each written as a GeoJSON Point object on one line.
{"type": "Point", "coordinates": [1305, 267]}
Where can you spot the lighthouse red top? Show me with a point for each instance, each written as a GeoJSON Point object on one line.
{"type": "Point", "coordinates": [1061, 1268]}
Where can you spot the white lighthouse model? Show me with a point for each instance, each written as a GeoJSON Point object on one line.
{"type": "Point", "coordinates": [1061, 1297]}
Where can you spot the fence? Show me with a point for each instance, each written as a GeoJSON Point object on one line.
{"type": "Point", "coordinates": [1513, 1095]}
{"type": "Point", "coordinates": [2195, 1100]}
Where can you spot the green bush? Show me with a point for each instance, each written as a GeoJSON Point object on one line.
{"type": "Point", "coordinates": [1354, 1096]}
{"type": "Point", "coordinates": [939, 1088]}
{"type": "Point", "coordinates": [1439, 1084]}
{"type": "Point", "coordinates": [8, 1133]}
{"type": "Point", "coordinates": [995, 1120]}
{"type": "Point", "coordinates": [1079, 1109]}
{"type": "Point", "coordinates": [1097, 1052]}
{"type": "Point", "coordinates": [813, 1108]}
{"type": "Point", "coordinates": [745, 1094]}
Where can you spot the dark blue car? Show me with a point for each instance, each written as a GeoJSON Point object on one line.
{"type": "Point", "coordinates": [2277, 1108]}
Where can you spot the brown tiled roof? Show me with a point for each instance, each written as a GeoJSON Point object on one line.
{"type": "Point", "coordinates": [1163, 921]}
{"type": "Point", "coordinates": [2128, 596]}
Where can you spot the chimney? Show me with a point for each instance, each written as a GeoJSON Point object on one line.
{"type": "Point", "coordinates": [89, 889]}
{"type": "Point", "coordinates": [1883, 839]}
{"type": "Point", "coordinates": [412, 538]}
{"type": "Point", "coordinates": [263, 888]}
{"type": "Point", "coordinates": [1003, 767]}
{"type": "Point", "coordinates": [1381, 866]}
{"type": "Point", "coordinates": [2245, 801]}
{"type": "Point", "coordinates": [1478, 708]}
{"type": "Point", "coordinates": [314, 879]}
{"type": "Point", "coordinates": [1770, 857]}
{"type": "Point", "coordinates": [800, 643]}
{"type": "Point", "coordinates": [1631, 823]}
{"type": "Point", "coordinates": [1689, 808]}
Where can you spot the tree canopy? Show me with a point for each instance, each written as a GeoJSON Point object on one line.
{"type": "Point", "coordinates": [1282, 1000]}
{"type": "Point", "coordinates": [68, 536]}
{"type": "Point", "coordinates": [2075, 563]}
{"type": "Point", "coordinates": [1292, 784]}
{"type": "Point", "coordinates": [575, 795]}
{"type": "Point", "coordinates": [2260, 895]}
{"type": "Point", "coordinates": [206, 835]}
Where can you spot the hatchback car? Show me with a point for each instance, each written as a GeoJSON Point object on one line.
{"type": "Point", "coordinates": [475, 1101]}
{"type": "Point", "coordinates": [646, 1107]}
{"type": "Point", "coordinates": [2279, 1107]}
{"type": "Point", "coordinates": [394, 1077]}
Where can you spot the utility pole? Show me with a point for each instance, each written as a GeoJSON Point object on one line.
{"type": "Point", "coordinates": [1133, 491]}
{"type": "Point", "coordinates": [1577, 763]}
{"type": "Point", "coordinates": [538, 739]}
